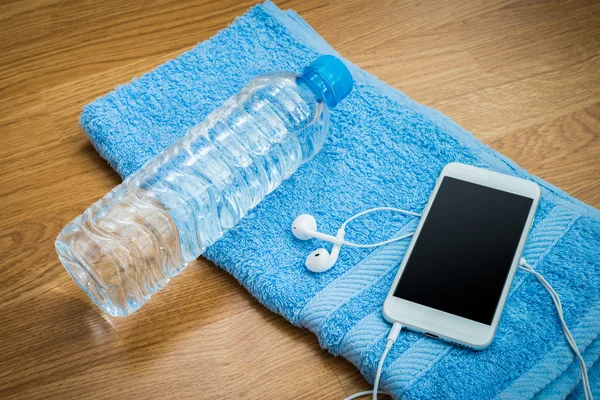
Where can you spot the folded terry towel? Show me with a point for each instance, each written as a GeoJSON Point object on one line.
{"type": "Point", "coordinates": [384, 149]}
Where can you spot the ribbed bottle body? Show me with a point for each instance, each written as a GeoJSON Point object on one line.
{"type": "Point", "coordinates": [129, 244]}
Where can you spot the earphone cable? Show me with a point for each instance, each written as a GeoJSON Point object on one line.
{"type": "Point", "coordinates": [370, 245]}
{"type": "Point", "coordinates": [585, 382]}
{"type": "Point", "coordinates": [371, 210]}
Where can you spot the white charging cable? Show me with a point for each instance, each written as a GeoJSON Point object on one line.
{"type": "Point", "coordinates": [397, 327]}
{"type": "Point", "coordinates": [391, 339]}
{"type": "Point", "coordinates": [587, 390]}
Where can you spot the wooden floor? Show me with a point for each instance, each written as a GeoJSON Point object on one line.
{"type": "Point", "coordinates": [523, 76]}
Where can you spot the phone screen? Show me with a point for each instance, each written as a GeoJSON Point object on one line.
{"type": "Point", "coordinates": [460, 261]}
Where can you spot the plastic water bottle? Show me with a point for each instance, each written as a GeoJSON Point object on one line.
{"type": "Point", "coordinates": [129, 244]}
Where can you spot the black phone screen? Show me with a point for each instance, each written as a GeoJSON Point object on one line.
{"type": "Point", "coordinates": [461, 259]}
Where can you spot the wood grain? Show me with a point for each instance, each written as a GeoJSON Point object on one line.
{"type": "Point", "coordinates": [521, 75]}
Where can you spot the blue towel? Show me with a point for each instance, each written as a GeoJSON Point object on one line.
{"type": "Point", "coordinates": [384, 150]}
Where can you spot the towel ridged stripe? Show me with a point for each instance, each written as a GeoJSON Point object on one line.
{"type": "Point", "coordinates": [361, 337]}
{"type": "Point", "coordinates": [553, 364]}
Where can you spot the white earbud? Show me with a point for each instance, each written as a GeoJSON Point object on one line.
{"type": "Point", "coordinates": [305, 227]}
{"type": "Point", "coordinates": [320, 260]}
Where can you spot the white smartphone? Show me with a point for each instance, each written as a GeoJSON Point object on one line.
{"type": "Point", "coordinates": [454, 279]}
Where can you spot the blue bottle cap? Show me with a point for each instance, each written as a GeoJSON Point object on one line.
{"type": "Point", "coordinates": [329, 77]}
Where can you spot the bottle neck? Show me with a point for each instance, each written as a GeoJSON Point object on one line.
{"type": "Point", "coordinates": [319, 86]}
